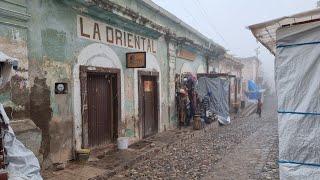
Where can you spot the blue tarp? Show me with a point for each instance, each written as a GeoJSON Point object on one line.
{"type": "Point", "coordinates": [252, 86]}
{"type": "Point", "coordinates": [254, 91]}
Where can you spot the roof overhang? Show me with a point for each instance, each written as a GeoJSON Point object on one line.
{"type": "Point", "coordinates": [265, 32]}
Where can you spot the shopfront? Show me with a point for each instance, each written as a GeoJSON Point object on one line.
{"type": "Point", "coordinates": [119, 85]}
{"type": "Point", "coordinates": [74, 84]}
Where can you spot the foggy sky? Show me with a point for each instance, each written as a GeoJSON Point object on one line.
{"type": "Point", "coordinates": [225, 22]}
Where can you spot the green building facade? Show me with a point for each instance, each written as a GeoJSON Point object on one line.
{"type": "Point", "coordinates": [66, 42]}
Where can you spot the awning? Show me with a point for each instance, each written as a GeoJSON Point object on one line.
{"type": "Point", "coordinates": [265, 32]}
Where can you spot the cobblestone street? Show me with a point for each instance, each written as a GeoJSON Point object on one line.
{"type": "Point", "coordinates": [246, 149]}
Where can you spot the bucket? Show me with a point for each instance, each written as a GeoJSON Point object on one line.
{"type": "Point", "coordinates": [83, 155]}
{"type": "Point", "coordinates": [196, 122]}
{"type": "Point", "coordinates": [122, 143]}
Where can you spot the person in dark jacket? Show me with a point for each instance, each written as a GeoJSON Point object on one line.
{"type": "Point", "coordinates": [259, 108]}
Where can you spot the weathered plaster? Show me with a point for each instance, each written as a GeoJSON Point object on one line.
{"type": "Point", "coordinates": [55, 53]}
{"type": "Point", "coordinates": [96, 55]}
{"type": "Point", "coordinates": [152, 66]}
{"type": "Point", "coordinates": [201, 69]}
{"type": "Point", "coordinates": [187, 68]}
{"type": "Point", "coordinates": [15, 83]}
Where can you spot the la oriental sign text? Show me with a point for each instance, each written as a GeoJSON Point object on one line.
{"type": "Point", "coordinates": [101, 32]}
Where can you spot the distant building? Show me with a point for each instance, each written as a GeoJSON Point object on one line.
{"type": "Point", "coordinates": [251, 71]}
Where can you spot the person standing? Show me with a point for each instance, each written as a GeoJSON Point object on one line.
{"type": "Point", "coordinates": [183, 107]}
{"type": "Point", "coordinates": [259, 108]}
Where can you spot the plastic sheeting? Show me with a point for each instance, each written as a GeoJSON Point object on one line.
{"type": "Point", "coordinates": [254, 91]}
{"type": "Point", "coordinates": [23, 164]}
{"type": "Point", "coordinates": [297, 69]}
{"type": "Point", "coordinates": [219, 99]}
{"type": "Point", "coordinates": [7, 59]}
{"type": "Point", "coordinates": [266, 32]}
{"type": "Point", "coordinates": [252, 86]}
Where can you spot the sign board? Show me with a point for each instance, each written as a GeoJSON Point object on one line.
{"type": "Point", "coordinates": [101, 32]}
{"type": "Point", "coordinates": [136, 60]}
{"type": "Point", "coordinates": [185, 54]}
{"type": "Point", "coordinates": [148, 86]}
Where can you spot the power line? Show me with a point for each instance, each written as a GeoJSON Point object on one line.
{"type": "Point", "coordinates": [189, 13]}
{"type": "Point", "coordinates": [197, 22]}
{"type": "Point", "coordinates": [211, 25]}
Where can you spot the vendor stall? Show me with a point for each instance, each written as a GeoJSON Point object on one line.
{"type": "Point", "coordinates": [214, 93]}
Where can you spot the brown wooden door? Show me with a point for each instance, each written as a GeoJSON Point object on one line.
{"type": "Point", "coordinates": [101, 88]}
{"type": "Point", "coordinates": [149, 105]}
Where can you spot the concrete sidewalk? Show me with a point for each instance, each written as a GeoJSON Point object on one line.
{"type": "Point", "coordinates": [108, 163]}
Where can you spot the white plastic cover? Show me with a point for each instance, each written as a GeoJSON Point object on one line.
{"type": "Point", "coordinates": [23, 164]}
{"type": "Point", "coordinates": [6, 58]}
{"type": "Point", "coordinates": [224, 120]}
{"type": "Point", "coordinates": [297, 68]}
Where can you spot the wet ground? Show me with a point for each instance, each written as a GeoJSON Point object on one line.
{"type": "Point", "coordinates": [246, 149]}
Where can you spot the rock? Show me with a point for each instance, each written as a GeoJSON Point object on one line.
{"type": "Point", "coordinates": [100, 156]}
{"type": "Point", "coordinates": [119, 176]}
{"type": "Point", "coordinates": [201, 155]}
{"type": "Point", "coordinates": [60, 166]}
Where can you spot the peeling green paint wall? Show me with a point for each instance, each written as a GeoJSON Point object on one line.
{"type": "Point", "coordinates": [14, 94]}
{"type": "Point", "coordinates": [50, 47]}
{"type": "Point", "coordinates": [51, 44]}
{"type": "Point", "coordinates": [199, 60]}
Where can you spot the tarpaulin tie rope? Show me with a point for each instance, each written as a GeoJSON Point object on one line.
{"type": "Point", "coordinates": [298, 163]}
{"type": "Point", "coordinates": [299, 44]}
{"type": "Point", "coordinates": [302, 113]}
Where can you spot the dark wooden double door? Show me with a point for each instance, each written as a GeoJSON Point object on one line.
{"type": "Point", "coordinates": [149, 105]}
{"type": "Point", "coordinates": [102, 108]}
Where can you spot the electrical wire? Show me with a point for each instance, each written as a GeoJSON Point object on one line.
{"type": "Point", "coordinates": [211, 25]}
{"type": "Point", "coordinates": [194, 19]}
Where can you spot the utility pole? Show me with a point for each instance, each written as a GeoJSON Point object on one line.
{"type": "Point", "coordinates": [257, 71]}
{"type": "Point", "coordinates": [257, 50]}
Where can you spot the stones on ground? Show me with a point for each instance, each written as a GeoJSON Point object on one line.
{"type": "Point", "coordinates": [199, 155]}
{"type": "Point", "coordinates": [60, 166]}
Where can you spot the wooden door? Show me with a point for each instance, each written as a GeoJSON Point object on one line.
{"type": "Point", "coordinates": [101, 108]}
{"type": "Point", "coordinates": [149, 105]}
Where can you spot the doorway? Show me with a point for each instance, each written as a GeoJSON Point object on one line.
{"type": "Point", "coordinates": [100, 106]}
{"type": "Point", "coordinates": [148, 106]}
